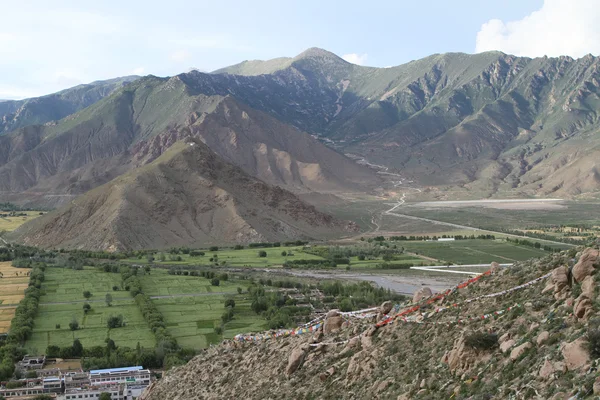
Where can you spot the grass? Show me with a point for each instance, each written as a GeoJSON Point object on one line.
{"type": "Point", "coordinates": [11, 223]}
{"type": "Point", "coordinates": [191, 320]}
{"type": "Point", "coordinates": [239, 258]}
{"type": "Point", "coordinates": [476, 251]}
{"type": "Point", "coordinates": [66, 286]}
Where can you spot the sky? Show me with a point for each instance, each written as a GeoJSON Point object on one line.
{"type": "Point", "coordinates": [46, 46]}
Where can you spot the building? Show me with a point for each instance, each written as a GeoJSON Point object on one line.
{"type": "Point", "coordinates": [130, 375]}
{"type": "Point", "coordinates": [28, 391]}
{"type": "Point", "coordinates": [76, 379]}
{"type": "Point", "coordinates": [31, 362]}
{"type": "Point", "coordinates": [52, 384]}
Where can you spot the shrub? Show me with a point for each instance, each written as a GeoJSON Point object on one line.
{"type": "Point", "coordinates": [115, 288]}
{"type": "Point", "coordinates": [73, 325]}
{"type": "Point", "coordinates": [215, 282]}
{"type": "Point", "coordinates": [593, 337]}
{"type": "Point", "coordinates": [262, 253]}
{"type": "Point", "coordinates": [481, 340]}
{"type": "Point", "coordinates": [213, 248]}
{"type": "Point", "coordinates": [115, 321]}
{"type": "Point", "coordinates": [87, 294]}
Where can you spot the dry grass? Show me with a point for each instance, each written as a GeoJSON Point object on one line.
{"type": "Point", "coordinates": [12, 287]}
{"type": "Point", "coordinates": [11, 223]}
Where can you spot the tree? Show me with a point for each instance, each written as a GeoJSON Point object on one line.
{"type": "Point", "coordinates": [262, 253]}
{"type": "Point", "coordinates": [115, 321]}
{"type": "Point", "coordinates": [150, 258]}
{"type": "Point", "coordinates": [108, 299]}
{"type": "Point", "coordinates": [147, 269]}
{"type": "Point", "coordinates": [215, 282]}
{"type": "Point", "coordinates": [284, 253]}
{"type": "Point", "coordinates": [104, 396]}
{"type": "Point", "coordinates": [115, 288]}
{"type": "Point", "coordinates": [86, 308]}
{"type": "Point", "coordinates": [74, 325]}
{"type": "Point", "coordinates": [77, 348]}
{"type": "Point", "coordinates": [230, 303]}
{"type": "Point", "coordinates": [240, 290]}
{"type": "Point", "coordinates": [87, 294]}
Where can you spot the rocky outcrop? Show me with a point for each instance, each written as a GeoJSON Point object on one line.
{"type": "Point", "coordinates": [520, 350]}
{"type": "Point", "coordinates": [560, 278]}
{"type": "Point", "coordinates": [586, 264]}
{"type": "Point", "coordinates": [296, 358]}
{"type": "Point", "coordinates": [333, 322]}
{"type": "Point", "coordinates": [421, 294]}
{"type": "Point", "coordinates": [575, 354]}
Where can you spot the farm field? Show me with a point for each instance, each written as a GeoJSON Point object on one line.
{"type": "Point", "coordinates": [191, 320]}
{"type": "Point", "coordinates": [569, 213]}
{"type": "Point", "coordinates": [13, 283]}
{"type": "Point", "coordinates": [62, 301]}
{"type": "Point", "coordinates": [11, 223]}
{"type": "Point", "coordinates": [474, 251]}
{"type": "Point", "coordinates": [237, 258]}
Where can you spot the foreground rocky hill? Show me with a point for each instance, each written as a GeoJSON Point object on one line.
{"type": "Point", "coordinates": [188, 196]}
{"type": "Point", "coordinates": [527, 332]}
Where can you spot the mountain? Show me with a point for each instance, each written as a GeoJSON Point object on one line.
{"type": "Point", "coordinates": [490, 122]}
{"type": "Point", "coordinates": [15, 114]}
{"type": "Point", "coordinates": [480, 125]}
{"type": "Point", "coordinates": [540, 341]}
{"type": "Point", "coordinates": [188, 196]}
{"type": "Point", "coordinates": [52, 163]}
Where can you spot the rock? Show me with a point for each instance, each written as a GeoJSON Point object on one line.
{"type": "Point", "coordinates": [542, 337]}
{"type": "Point", "coordinates": [423, 384]}
{"type": "Point", "coordinates": [405, 396]}
{"type": "Point", "coordinates": [296, 359]}
{"type": "Point", "coordinates": [585, 265]}
{"type": "Point", "coordinates": [504, 347]}
{"type": "Point", "coordinates": [332, 324]}
{"type": "Point", "coordinates": [421, 294]}
{"type": "Point", "coordinates": [332, 313]}
{"type": "Point", "coordinates": [386, 307]}
{"type": "Point", "coordinates": [560, 277]}
{"type": "Point", "coordinates": [583, 307]}
{"type": "Point", "coordinates": [520, 350]}
{"type": "Point", "coordinates": [495, 267]}
{"type": "Point", "coordinates": [597, 385]}
{"type": "Point", "coordinates": [546, 370]}
{"type": "Point", "coordinates": [382, 386]}
{"type": "Point", "coordinates": [549, 287]}
{"type": "Point", "coordinates": [575, 354]}
{"type": "Point", "coordinates": [422, 391]}
{"type": "Point", "coordinates": [588, 287]}
{"type": "Point", "coordinates": [371, 331]}
{"type": "Point", "coordinates": [533, 326]}
{"type": "Point", "coordinates": [318, 336]}
{"type": "Point", "coordinates": [504, 337]}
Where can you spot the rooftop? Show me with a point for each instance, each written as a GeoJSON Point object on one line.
{"type": "Point", "coordinates": [114, 370]}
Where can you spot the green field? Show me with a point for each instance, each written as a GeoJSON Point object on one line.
{"type": "Point", "coordinates": [237, 258]}
{"type": "Point", "coordinates": [475, 251]}
{"type": "Point", "coordinates": [573, 213]}
{"type": "Point", "coordinates": [64, 286]}
{"type": "Point", "coordinates": [191, 320]}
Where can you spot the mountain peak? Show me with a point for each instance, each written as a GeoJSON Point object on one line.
{"type": "Point", "coordinates": [316, 52]}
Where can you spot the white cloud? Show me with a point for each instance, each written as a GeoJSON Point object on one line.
{"type": "Point", "coordinates": [354, 58]}
{"type": "Point", "coordinates": [560, 27]}
{"type": "Point", "coordinates": [138, 71]}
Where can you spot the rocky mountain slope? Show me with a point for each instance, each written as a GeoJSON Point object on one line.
{"type": "Point", "coordinates": [47, 164]}
{"type": "Point", "coordinates": [188, 196]}
{"type": "Point", "coordinates": [527, 332]}
{"type": "Point", "coordinates": [16, 114]}
{"type": "Point", "coordinates": [491, 122]}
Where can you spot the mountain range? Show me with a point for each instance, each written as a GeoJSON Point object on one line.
{"type": "Point", "coordinates": [487, 124]}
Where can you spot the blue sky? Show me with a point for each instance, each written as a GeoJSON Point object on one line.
{"type": "Point", "coordinates": [47, 46]}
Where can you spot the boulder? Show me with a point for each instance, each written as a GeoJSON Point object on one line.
{"type": "Point", "coordinates": [495, 267]}
{"type": "Point", "coordinates": [542, 337]}
{"type": "Point", "coordinates": [332, 324]}
{"type": "Point", "coordinates": [585, 265]}
{"type": "Point", "coordinates": [505, 346]}
{"type": "Point", "coordinates": [504, 337]}
{"type": "Point", "coordinates": [575, 354]}
{"type": "Point", "coordinates": [546, 370]}
{"type": "Point", "coordinates": [597, 386]}
{"type": "Point", "coordinates": [332, 313]}
{"type": "Point", "coordinates": [421, 294]}
{"type": "Point", "coordinates": [520, 350]}
{"type": "Point", "coordinates": [588, 287]}
{"type": "Point", "coordinates": [583, 307]}
{"type": "Point", "coordinates": [560, 277]}
{"type": "Point", "coordinates": [386, 307]}
{"type": "Point", "coordinates": [296, 358]}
